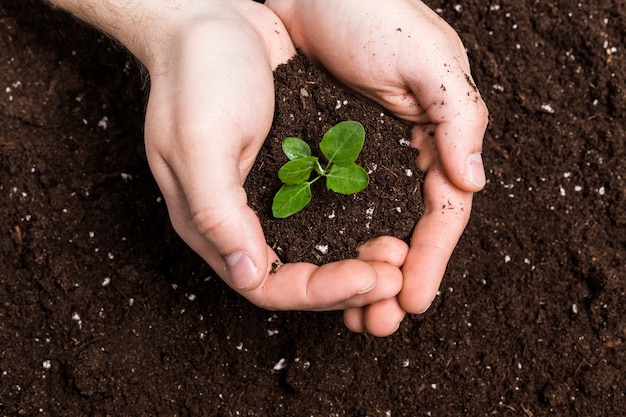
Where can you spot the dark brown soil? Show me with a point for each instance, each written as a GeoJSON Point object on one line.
{"type": "Point", "coordinates": [104, 311]}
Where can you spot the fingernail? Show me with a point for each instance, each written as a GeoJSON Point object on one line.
{"type": "Point", "coordinates": [241, 269]}
{"type": "Point", "coordinates": [367, 289]}
{"type": "Point", "coordinates": [476, 170]}
{"type": "Point", "coordinates": [425, 310]}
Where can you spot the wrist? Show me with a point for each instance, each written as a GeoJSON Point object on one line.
{"type": "Point", "coordinates": [145, 27]}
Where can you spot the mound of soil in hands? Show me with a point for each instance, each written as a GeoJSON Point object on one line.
{"type": "Point", "coordinates": [104, 311]}
{"type": "Point", "coordinates": [332, 226]}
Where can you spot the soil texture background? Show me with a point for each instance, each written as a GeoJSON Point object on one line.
{"type": "Point", "coordinates": [105, 312]}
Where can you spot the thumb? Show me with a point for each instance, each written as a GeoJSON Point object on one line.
{"type": "Point", "coordinates": [231, 239]}
{"type": "Point", "coordinates": [208, 209]}
{"type": "Point", "coordinates": [459, 139]}
{"type": "Point", "coordinates": [235, 245]}
{"type": "Point", "coordinates": [457, 118]}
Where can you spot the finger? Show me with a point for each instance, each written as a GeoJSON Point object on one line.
{"type": "Point", "coordinates": [423, 139]}
{"type": "Point", "coordinates": [304, 286]}
{"type": "Point", "coordinates": [383, 318]}
{"type": "Point", "coordinates": [335, 286]}
{"type": "Point", "coordinates": [271, 29]}
{"type": "Point", "coordinates": [227, 232]}
{"type": "Point", "coordinates": [380, 319]}
{"type": "Point", "coordinates": [220, 213]}
{"type": "Point", "coordinates": [458, 118]}
{"type": "Point", "coordinates": [354, 319]}
{"type": "Point", "coordinates": [236, 268]}
{"type": "Point", "coordinates": [446, 213]}
{"type": "Point", "coordinates": [388, 285]}
{"type": "Point", "coordinates": [384, 249]}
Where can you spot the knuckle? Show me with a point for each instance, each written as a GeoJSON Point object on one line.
{"type": "Point", "coordinates": [210, 222]}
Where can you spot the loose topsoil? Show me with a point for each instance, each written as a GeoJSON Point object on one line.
{"type": "Point", "coordinates": [104, 311]}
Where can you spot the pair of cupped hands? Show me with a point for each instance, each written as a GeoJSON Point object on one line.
{"type": "Point", "coordinates": [210, 109]}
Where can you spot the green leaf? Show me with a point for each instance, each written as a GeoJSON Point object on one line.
{"type": "Point", "coordinates": [296, 148]}
{"type": "Point", "coordinates": [342, 144]}
{"type": "Point", "coordinates": [297, 170]}
{"type": "Point", "coordinates": [347, 179]}
{"type": "Point", "coordinates": [290, 199]}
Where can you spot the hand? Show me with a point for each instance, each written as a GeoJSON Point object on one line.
{"type": "Point", "coordinates": [210, 108]}
{"type": "Point", "coordinates": [402, 55]}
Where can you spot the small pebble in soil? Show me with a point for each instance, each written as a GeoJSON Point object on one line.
{"type": "Point", "coordinates": [323, 249]}
{"type": "Point", "coordinates": [77, 319]}
{"type": "Point", "coordinates": [280, 365]}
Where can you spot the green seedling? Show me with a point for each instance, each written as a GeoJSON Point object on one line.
{"type": "Point", "coordinates": [341, 146]}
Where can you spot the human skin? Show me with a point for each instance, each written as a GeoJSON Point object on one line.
{"type": "Point", "coordinates": [403, 56]}
{"type": "Point", "coordinates": [210, 108]}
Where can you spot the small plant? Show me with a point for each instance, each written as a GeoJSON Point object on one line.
{"type": "Point", "coordinates": [341, 145]}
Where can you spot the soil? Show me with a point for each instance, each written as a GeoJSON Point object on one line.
{"type": "Point", "coordinates": [104, 311]}
{"type": "Point", "coordinates": [332, 226]}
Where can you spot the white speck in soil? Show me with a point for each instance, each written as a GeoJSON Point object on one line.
{"type": "Point", "coordinates": [280, 365]}
{"type": "Point", "coordinates": [103, 123]}
{"type": "Point", "coordinates": [77, 319]}
{"type": "Point", "coordinates": [323, 249]}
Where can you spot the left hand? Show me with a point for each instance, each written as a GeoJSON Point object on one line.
{"type": "Point", "coordinates": [403, 56]}
{"type": "Point", "coordinates": [210, 108]}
